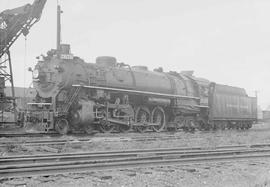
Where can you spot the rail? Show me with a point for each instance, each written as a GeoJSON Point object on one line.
{"type": "Point", "coordinates": [27, 166]}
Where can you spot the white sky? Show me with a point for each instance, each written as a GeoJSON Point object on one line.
{"type": "Point", "coordinates": [226, 41]}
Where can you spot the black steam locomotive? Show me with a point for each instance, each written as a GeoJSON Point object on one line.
{"type": "Point", "coordinates": [111, 96]}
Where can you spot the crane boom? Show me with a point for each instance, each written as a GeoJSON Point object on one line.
{"type": "Point", "coordinates": [13, 23]}
{"type": "Point", "coordinates": [17, 21]}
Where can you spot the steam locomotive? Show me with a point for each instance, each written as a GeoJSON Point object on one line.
{"type": "Point", "coordinates": [111, 96]}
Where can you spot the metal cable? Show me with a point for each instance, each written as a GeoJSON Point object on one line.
{"type": "Point", "coordinates": [24, 66]}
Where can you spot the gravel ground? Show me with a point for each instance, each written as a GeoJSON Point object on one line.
{"type": "Point", "coordinates": [260, 133]}
{"type": "Point", "coordinates": [241, 173]}
{"type": "Point", "coordinates": [238, 173]}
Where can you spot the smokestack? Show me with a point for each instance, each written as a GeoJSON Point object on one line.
{"type": "Point", "coordinates": [58, 39]}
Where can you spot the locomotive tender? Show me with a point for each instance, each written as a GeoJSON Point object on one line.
{"type": "Point", "coordinates": [109, 96]}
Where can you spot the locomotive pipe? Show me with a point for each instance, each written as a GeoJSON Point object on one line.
{"type": "Point", "coordinates": [159, 101]}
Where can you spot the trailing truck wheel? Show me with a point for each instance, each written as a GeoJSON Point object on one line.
{"type": "Point", "coordinates": [179, 122]}
{"type": "Point", "coordinates": [142, 115]}
{"type": "Point", "coordinates": [62, 126]}
{"type": "Point", "coordinates": [190, 124]}
{"type": "Point", "coordinates": [158, 117]}
{"type": "Point", "coordinates": [124, 128]}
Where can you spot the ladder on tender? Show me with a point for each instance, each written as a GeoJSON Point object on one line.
{"type": "Point", "coordinates": [69, 101]}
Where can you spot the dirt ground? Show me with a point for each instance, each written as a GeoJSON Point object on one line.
{"type": "Point", "coordinates": [237, 173]}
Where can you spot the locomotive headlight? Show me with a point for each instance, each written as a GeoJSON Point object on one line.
{"type": "Point", "coordinates": [35, 74]}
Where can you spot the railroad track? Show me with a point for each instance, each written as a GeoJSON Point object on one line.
{"type": "Point", "coordinates": [50, 164]}
{"type": "Point", "coordinates": [13, 135]}
{"type": "Point", "coordinates": [55, 134]}
{"type": "Point", "coordinates": [71, 140]}
{"type": "Point", "coordinates": [75, 140]}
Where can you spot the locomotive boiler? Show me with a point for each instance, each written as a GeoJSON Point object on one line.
{"type": "Point", "coordinates": [111, 96]}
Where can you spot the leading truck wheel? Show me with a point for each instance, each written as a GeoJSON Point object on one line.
{"type": "Point", "coordinates": [158, 117]}
{"type": "Point", "coordinates": [62, 126]}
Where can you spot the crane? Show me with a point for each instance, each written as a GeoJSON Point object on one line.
{"type": "Point", "coordinates": [13, 23]}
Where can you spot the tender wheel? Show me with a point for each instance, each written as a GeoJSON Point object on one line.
{"type": "Point", "coordinates": [158, 117]}
{"type": "Point", "coordinates": [238, 125]}
{"type": "Point", "coordinates": [216, 126]}
{"type": "Point", "coordinates": [249, 125]}
{"type": "Point", "coordinates": [241, 125]}
{"type": "Point", "coordinates": [106, 127]}
{"type": "Point", "coordinates": [245, 125]}
{"type": "Point", "coordinates": [142, 115]}
{"type": "Point", "coordinates": [222, 125]}
{"type": "Point", "coordinates": [203, 125]}
{"type": "Point", "coordinates": [62, 126]}
{"type": "Point", "coordinates": [229, 125]}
